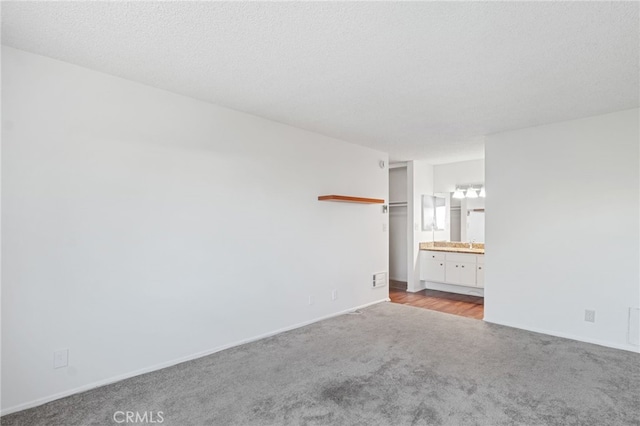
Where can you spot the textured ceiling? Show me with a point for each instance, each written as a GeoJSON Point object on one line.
{"type": "Point", "coordinates": [418, 80]}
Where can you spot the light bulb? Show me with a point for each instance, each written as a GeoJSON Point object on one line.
{"type": "Point", "coordinates": [471, 193]}
{"type": "Point", "coordinates": [458, 193]}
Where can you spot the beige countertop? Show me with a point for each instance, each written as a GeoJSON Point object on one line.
{"type": "Point", "coordinates": [453, 247]}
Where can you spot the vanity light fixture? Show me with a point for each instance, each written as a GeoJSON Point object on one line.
{"type": "Point", "coordinates": [469, 191]}
{"type": "Point", "coordinates": [458, 194]}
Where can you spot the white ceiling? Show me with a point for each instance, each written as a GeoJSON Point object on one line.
{"type": "Point", "coordinates": [418, 80]}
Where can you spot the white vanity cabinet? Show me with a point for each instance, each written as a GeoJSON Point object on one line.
{"type": "Point", "coordinates": [452, 268]}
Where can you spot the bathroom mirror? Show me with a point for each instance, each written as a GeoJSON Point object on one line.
{"type": "Point", "coordinates": [466, 220]}
{"type": "Point", "coordinates": [434, 213]}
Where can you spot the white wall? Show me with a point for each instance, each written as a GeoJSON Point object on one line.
{"type": "Point", "coordinates": [398, 224]}
{"type": "Point", "coordinates": [143, 227]}
{"type": "Point", "coordinates": [447, 176]}
{"type": "Point", "coordinates": [420, 178]}
{"type": "Point", "coordinates": [562, 229]}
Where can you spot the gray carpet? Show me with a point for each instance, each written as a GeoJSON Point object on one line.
{"type": "Point", "coordinates": [389, 365]}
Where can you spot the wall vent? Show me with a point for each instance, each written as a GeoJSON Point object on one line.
{"type": "Point", "coordinates": [379, 280]}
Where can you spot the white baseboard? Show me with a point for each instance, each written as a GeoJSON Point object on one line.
{"type": "Point", "coordinates": [452, 288]}
{"type": "Point", "coordinates": [160, 366]}
{"type": "Point", "coordinates": [420, 287]}
{"type": "Point", "coordinates": [566, 336]}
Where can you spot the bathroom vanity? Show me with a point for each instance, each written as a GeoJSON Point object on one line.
{"type": "Point", "coordinates": [452, 266]}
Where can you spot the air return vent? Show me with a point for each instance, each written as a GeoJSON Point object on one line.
{"type": "Point", "coordinates": [379, 280]}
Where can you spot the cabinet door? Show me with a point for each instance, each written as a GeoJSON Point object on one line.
{"type": "Point", "coordinates": [434, 270]}
{"type": "Point", "coordinates": [467, 273]}
{"type": "Point", "coordinates": [480, 276]}
{"type": "Point", "coordinates": [461, 273]}
{"type": "Point", "coordinates": [452, 273]}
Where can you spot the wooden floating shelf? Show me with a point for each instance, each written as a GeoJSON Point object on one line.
{"type": "Point", "coordinates": [348, 199]}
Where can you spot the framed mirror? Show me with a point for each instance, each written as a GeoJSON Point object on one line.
{"type": "Point", "coordinates": [434, 213]}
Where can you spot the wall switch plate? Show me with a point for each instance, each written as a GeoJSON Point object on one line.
{"type": "Point", "coordinates": [334, 294]}
{"type": "Point", "coordinates": [589, 315]}
{"type": "Point", "coordinates": [61, 358]}
{"type": "Point", "coordinates": [384, 227]}
{"type": "Point", "coordinates": [310, 300]}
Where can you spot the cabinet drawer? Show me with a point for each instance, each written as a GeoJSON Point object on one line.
{"type": "Point", "coordinates": [461, 257]}
{"type": "Point", "coordinates": [435, 255]}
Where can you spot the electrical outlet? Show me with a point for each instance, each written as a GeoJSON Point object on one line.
{"type": "Point", "coordinates": [334, 294]}
{"type": "Point", "coordinates": [589, 315]}
{"type": "Point", "coordinates": [310, 300]}
{"type": "Point", "coordinates": [384, 227]}
{"type": "Point", "coordinates": [634, 326]}
{"type": "Point", "coordinates": [61, 358]}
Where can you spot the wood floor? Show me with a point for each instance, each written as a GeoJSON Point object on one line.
{"type": "Point", "coordinates": [450, 303]}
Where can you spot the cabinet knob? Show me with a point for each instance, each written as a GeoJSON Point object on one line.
{"type": "Point", "coordinates": [456, 266]}
{"type": "Point", "coordinates": [479, 267]}
{"type": "Point", "coordinates": [441, 264]}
